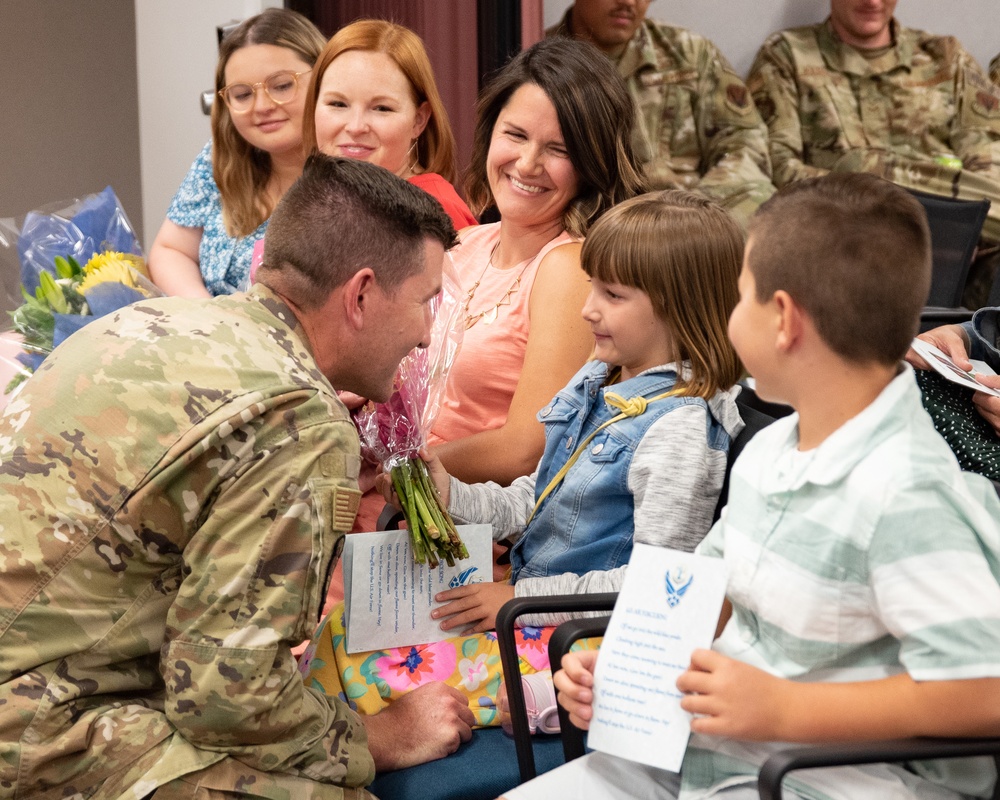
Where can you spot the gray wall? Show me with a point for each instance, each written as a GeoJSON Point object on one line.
{"type": "Point", "coordinates": [739, 27]}
{"type": "Point", "coordinates": [68, 90]}
{"type": "Point", "coordinates": [177, 53]}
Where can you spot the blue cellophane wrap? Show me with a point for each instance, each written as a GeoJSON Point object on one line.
{"type": "Point", "coordinates": [79, 229]}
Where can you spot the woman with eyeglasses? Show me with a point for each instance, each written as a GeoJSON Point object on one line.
{"type": "Point", "coordinates": [204, 247]}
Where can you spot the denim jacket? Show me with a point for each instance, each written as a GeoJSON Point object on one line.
{"type": "Point", "coordinates": [586, 523]}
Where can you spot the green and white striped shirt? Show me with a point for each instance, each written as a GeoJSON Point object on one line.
{"type": "Point", "coordinates": [867, 556]}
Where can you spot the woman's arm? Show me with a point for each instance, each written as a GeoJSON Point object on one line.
{"type": "Point", "coordinates": [559, 342]}
{"type": "Point", "coordinates": [173, 261]}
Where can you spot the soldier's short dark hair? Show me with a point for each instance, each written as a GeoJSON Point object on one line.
{"type": "Point", "coordinates": [343, 215]}
{"type": "Point", "coordinates": [854, 251]}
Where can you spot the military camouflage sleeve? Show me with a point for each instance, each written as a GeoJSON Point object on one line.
{"type": "Point", "coordinates": [773, 87]}
{"type": "Point", "coordinates": [976, 130]}
{"type": "Point", "coordinates": [735, 162]}
{"type": "Point", "coordinates": [252, 587]}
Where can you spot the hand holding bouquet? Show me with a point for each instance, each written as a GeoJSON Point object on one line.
{"type": "Point", "coordinates": [394, 432]}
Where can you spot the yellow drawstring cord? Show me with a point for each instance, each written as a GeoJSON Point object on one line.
{"type": "Point", "coordinates": [632, 407]}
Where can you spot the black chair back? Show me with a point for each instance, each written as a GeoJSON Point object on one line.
{"type": "Point", "coordinates": [955, 227]}
{"type": "Point", "coordinates": [757, 414]}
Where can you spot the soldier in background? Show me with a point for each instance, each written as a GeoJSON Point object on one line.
{"type": "Point", "coordinates": [861, 93]}
{"type": "Point", "coordinates": [175, 483]}
{"type": "Point", "coordinates": [697, 127]}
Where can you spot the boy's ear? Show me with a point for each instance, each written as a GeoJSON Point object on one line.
{"type": "Point", "coordinates": [790, 321]}
{"type": "Point", "coordinates": [358, 297]}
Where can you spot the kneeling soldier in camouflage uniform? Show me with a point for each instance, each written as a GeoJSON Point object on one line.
{"type": "Point", "coordinates": [696, 125]}
{"type": "Point", "coordinates": [175, 484]}
{"type": "Point", "coordinates": [861, 93]}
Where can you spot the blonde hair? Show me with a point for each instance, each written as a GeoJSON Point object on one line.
{"type": "Point", "coordinates": [436, 144]}
{"type": "Point", "coordinates": [685, 252]}
{"type": "Point", "coordinates": [242, 171]}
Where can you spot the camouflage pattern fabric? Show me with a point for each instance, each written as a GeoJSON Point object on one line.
{"type": "Point", "coordinates": [995, 70]}
{"type": "Point", "coordinates": [922, 114]}
{"type": "Point", "coordinates": [697, 125]}
{"type": "Point", "coordinates": [175, 483]}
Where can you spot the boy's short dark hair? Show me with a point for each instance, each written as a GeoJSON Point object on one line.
{"type": "Point", "coordinates": [343, 215]}
{"type": "Point", "coordinates": [854, 251]}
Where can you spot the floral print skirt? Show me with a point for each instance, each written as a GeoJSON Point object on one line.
{"type": "Point", "coordinates": [368, 682]}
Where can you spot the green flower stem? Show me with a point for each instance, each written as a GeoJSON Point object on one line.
{"type": "Point", "coordinates": [398, 484]}
{"type": "Point", "coordinates": [432, 530]}
{"type": "Point", "coordinates": [433, 499]}
{"type": "Point", "coordinates": [414, 498]}
{"type": "Point", "coordinates": [425, 514]}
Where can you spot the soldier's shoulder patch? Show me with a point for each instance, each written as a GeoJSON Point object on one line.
{"type": "Point", "coordinates": [986, 102]}
{"type": "Point", "coordinates": [736, 95]}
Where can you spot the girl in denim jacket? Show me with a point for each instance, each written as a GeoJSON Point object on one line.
{"type": "Point", "coordinates": [636, 443]}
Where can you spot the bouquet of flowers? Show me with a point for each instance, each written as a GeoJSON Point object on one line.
{"type": "Point", "coordinates": [59, 296]}
{"type": "Point", "coordinates": [393, 432]}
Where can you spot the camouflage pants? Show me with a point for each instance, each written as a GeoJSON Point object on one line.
{"type": "Point", "coordinates": [230, 780]}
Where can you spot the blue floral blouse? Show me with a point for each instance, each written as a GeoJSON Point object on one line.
{"type": "Point", "coordinates": [224, 260]}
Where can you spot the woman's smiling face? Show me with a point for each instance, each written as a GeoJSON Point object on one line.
{"type": "Point", "coordinates": [530, 174]}
{"type": "Point", "coordinates": [268, 126]}
{"type": "Point", "coordinates": [366, 110]}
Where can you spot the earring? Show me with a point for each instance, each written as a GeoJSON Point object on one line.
{"type": "Point", "coordinates": [411, 154]}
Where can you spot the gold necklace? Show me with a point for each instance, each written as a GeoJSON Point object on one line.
{"type": "Point", "coordinates": [489, 315]}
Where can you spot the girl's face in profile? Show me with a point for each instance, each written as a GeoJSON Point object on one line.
{"type": "Point", "coordinates": [272, 127]}
{"type": "Point", "coordinates": [627, 331]}
{"type": "Point", "coordinates": [528, 168]}
{"type": "Point", "coordinates": [366, 110]}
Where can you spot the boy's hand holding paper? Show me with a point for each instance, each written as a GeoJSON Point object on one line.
{"type": "Point", "coordinates": [731, 698]}
{"type": "Point", "coordinates": [668, 607]}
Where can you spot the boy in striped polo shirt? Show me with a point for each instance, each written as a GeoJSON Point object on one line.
{"type": "Point", "coordinates": [864, 567]}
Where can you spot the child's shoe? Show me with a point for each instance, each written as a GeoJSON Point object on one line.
{"type": "Point", "coordinates": [539, 701]}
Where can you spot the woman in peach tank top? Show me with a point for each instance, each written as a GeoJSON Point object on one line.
{"type": "Point", "coordinates": [483, 380]}
{"type": "Point", "coordinates": [552, 152]}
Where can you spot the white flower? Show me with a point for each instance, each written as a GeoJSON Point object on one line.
{"type": "Point", "coordinates": [473, 672]}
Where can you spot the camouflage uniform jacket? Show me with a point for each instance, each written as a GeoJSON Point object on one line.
{"type": "Point", "coordinates": [175, 482]}
{"type": "Point", "coordinates": [923, 114]}
{"type": "Point", "coordinates": [697, 125]}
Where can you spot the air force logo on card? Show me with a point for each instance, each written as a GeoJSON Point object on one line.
{"type": "Point", "coordinates": [678, 581]}
{"type": "Point", "coordinates": [464, 578]}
